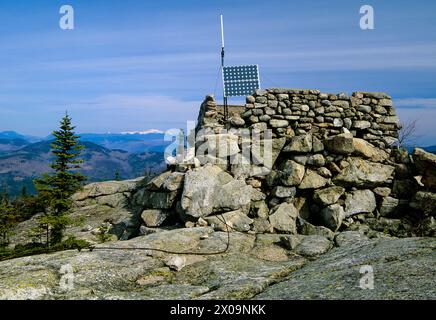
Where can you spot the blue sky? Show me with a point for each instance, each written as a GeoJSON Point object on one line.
{"type": "Point", "coordinates": [135, 65]}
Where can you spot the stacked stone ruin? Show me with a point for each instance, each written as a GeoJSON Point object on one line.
{"type": "Point", "coordinates": [334, 166]}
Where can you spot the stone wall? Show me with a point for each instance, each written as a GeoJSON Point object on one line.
{"type": "Point", "coordinates": [331, 152]}
{"type": "Point", "coordinates": [333, 166]}
{"type": "Point", "coordinates": [368, 115]}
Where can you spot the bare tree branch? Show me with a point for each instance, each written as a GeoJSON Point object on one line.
{"type": "Point", "coordinates": [407, 133]}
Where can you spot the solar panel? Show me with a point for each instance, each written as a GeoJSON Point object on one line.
{"type": "Point", "coordinates": [240, 80]}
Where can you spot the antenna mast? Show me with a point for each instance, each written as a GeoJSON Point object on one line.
{"type": "Point", "coordinates": [222, 69]}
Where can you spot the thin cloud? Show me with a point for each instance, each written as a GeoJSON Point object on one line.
{"type": "Point", "coordinates": [414, 103]}
{"type": "Point", "coordinates": [136, 102]}
{"type": "Point", "coordinates": [133, 113]}
{"type": "Point", "coordinates": [302, 59]}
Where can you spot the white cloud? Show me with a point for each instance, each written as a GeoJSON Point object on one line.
{"type": "Point", "coordinates": [161, 61]}
{"type": "Point", "coordinates": [413, 103]}
{"type": "Point", "coordinates": [324, 58]}
{"type": "Point", "coordinates": [303, 58]}
{"type": "Point", "coordinates": [136, 103]}
{"type": "Point", "coordinates": [127, 113]}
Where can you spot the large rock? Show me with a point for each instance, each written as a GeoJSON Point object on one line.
{"type": "Point", "coordinates": [235, 221]}
{"type": "Point", "coordinates": [173, 181]}
{"type": "Point", "coordinates": [114, 194]}
{"type": "Point", "coordinates": [389, 206]}
{"type": "Point", "coordinates": [277, 123]}
{"type": "Point", "coordinates": [340, 144]}
{"type": "Point", "coordinates": [239, 170]}
{"type": "Point", "coordinates": [167, 181]}
{"type": "Point", "coordinates": [292, 173]}
{"type": "Point", "coordinates": [277, 146]}
{"type": "Point", "coordinates": [317, 145]}
{"type": "Point", "coordinates": [283, 219]}
{"type": "Point", "coordinates": [312, 180]}
{"type": "Point", "coordinates": [429, 227]}
{"type": "Point", "coordinates": [309, 229]}
{"type": "Point", "coordinates": [161, 192]}
{"type": "Point", "coordinates": [316, 160]}
{"type": "Point", "coordinates": [328, 195]}
{"type": "Point", "coordinates": [262, 226]}
{"type": "Point", "coordinates": [299, 144]}
{"type": "Point", "coordinates": [426, 164]}
{"type": "Point", "coordinates": [382, 191]}
{"type": "Point", "coordinates": [284, 192]}
{"type": "Point", "coordinates": [258, 149]}
{"type": "Point", "coordinates": [155, 199]}
{"type": "Point", "coordinates": [209, 189]}
{"type": "Point", "coordinates": [367, 150]}
{"type": "Point", "coordinates": [237, 121]}
{"type": "Point", "coordinates": [315, 245]}
{"type": "Point", "coordinates": [360, 201]}
{"type": "Point", "coordinates": [221, 145]}
{"type": "Point", "coordinates": [259, 209]}
{"type": "Point", "coordinates": [363, 173]}
{"type": "Point", "coordinates": [424, 201]}
{"type": "Point", "coordinates": [401, 269]}
{"type": "Point", "coordinates": [154, 217]}
{"type": "Point", "coordinates": [361, 124]}
{"type": "Point", "coordinates": [332, 216]}
{"type": "Point", "coordinates": [107, 188]}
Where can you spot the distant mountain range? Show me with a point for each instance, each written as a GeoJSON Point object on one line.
{"type": "Point", "coordinates": [11, 135]}
{"type": "Point", "coordinates": [131, 142]}
{"type": "Point", "coordinates": [136, 141]}
{"type": "Point", "coordinates": [7, 145]}
{"type": "Point", "coordinates": [146, 141]}
{"type": "Point", "coordinates": [23, 158]}
{"type": "Point", "coordinates": [131, 155]}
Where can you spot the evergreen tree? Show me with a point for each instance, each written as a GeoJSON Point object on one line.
{"type": "Point", "coordinates": [7, 220]}
{"type": "Point", "coordinates": [4, 193]}
{"type": "Point", "coordinates": [117, 176]}
{"type": "Point", "coordinates": [55, 190]}
{"type": "Point", "coordinates": [24, 192]}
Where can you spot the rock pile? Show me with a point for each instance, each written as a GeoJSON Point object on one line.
{"type": "Point", "coordinates": [333, 166]}
{"type": "Point", "coordinates": [294, 162]}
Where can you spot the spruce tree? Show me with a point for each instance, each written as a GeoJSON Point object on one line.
{"type": "Point", "coordinates": [24, 192]}
{"type": "Point", "coordinates": [56, 189]}
{"type": "Point", "coordinates": [117, 176]}
{"type": "Point", "coordinates": [7, 220]}
{"type": "Point", "coordinates": [4, 192]}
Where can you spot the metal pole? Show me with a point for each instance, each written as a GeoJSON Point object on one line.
{"type": "Point", "coordinates": [222, 32]}
{"type": "Point", "coordinates": [222, 70]}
